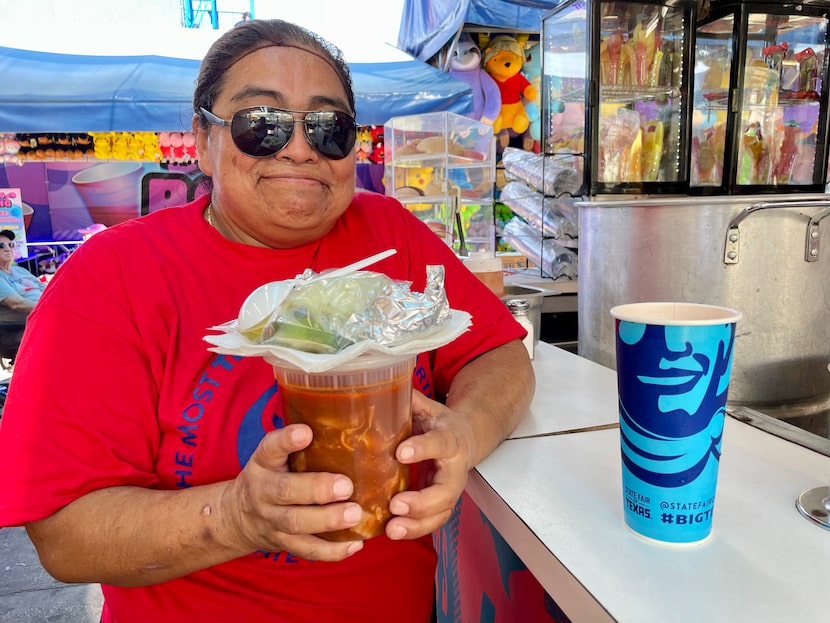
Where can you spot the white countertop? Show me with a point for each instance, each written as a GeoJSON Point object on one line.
{"type": "Point", "coordinates": [571, 393]}
{"type": "Point", "coordinates": [557, 501]}
{"type": "Point", "coordinates": [533, 278]}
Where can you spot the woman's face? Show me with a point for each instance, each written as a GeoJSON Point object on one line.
{"type": "Point", "coordinates": [295, 196]}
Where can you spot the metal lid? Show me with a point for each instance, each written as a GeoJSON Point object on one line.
{"type": "Point", "coordinates": [518, 306]}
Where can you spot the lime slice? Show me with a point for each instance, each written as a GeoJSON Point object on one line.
{"type": "Point", "coordinates": [304, 338]}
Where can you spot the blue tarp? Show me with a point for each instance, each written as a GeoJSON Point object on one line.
{"type": "Point", "coordinates": [48, 92]}
{"type": "Point", "coordinates": [427, 25]}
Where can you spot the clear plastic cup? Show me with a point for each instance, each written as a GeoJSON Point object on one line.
{"type": "Point", "coordinates": [359, 413]}
{"type": "Point", "coordinates": [488, 268]}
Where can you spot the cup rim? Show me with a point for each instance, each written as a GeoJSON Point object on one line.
{"type": "Point", "coordinates": [365, 362]}
{"type": "Point", "coordinates": [675, 313]}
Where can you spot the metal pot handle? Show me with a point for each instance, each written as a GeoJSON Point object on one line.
{"type": "Point", "coordinates": [733, 234]}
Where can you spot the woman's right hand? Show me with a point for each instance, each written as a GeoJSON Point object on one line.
{"type": "Point", "coordinates": [271, 508]}
{"type": "Point", "coordinates": [136, 536]}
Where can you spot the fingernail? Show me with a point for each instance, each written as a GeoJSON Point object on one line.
{"type": "Point", "coordinates": [297, 434]}
{"type": "Point", "coordinates": [354, 548]}
{"type": "Point", "coordinates": [352, 514]}
{"type": "Point", "coordinates": [342, 487]}
{"type": "Point", "coordinates": [397, 532]}
{"type": "Point", "coordinates": [407, 452]}
{"type": "Point", "coordinates": [399, 508]}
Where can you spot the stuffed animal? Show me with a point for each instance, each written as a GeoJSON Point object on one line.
{"type": "Point", "coordinates": [503, 60]}
{"type": "Point", "coordinates": [120, 149]}
{"type": "Point", "coordinates": [135, 145]}
{"type": "Point", "coordinates": [378, 153]}
{"type": "Point", "coordinates": [152, 151]}
{"type": "Point", "coordinates": [532, 70]}
{"type": "Point", "coordinates": [10, 150]}
{"type": "Point", "coordinates": [465, 65]}
{"type": "Point", "coordinates": [165, 147]}
{"type": "Point", "coordinates": [190, 153]}
{"type": "Point", "coordinates": [177, 146]}
{"type": "Point", "coordinates": [364, 144]}
{"type": "Point", "coordinates": [103, 145]}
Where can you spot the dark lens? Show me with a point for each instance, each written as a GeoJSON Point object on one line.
{"type": "Point", "coordinates": [261, 133]}
{"type": "Point", "coordinates": [331, 132]}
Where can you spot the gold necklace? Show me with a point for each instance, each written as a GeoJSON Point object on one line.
{"type": "Point", "coordinates": [209, 215]}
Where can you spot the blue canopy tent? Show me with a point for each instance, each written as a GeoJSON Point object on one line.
{"type": "Point", "coordinates": [50, 92]}
{"type": "Point", "coordinates": [128, 85]}
{"type": "Point", "coordinates": [427, 25]}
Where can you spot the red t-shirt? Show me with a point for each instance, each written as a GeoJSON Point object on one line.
{"type": "Point", "coordinates": [115, 386]}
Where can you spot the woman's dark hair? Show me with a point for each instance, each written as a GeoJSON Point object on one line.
{"type": "Point", "coordinates": [247, 37]}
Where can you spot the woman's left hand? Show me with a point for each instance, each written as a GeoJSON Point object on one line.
{"type": "Point", "coordinates": [442, 444]}
{"type": "Point", "coordinates": [487, 399]}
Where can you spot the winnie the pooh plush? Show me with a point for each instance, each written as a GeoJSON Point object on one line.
{"type": "Point", "coordinates": [503, 60]}
{"type": "Point", "coordinates": [465, 65]}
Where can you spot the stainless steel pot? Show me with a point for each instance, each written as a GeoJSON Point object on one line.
{"type": "Point", "coordinates": [768, 256]}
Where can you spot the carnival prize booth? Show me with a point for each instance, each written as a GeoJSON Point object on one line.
{"type": "Point", "coordinates": [97, 138]}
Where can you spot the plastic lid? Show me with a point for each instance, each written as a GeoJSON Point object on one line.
{"type": "Point", "coordinates": [483, 262]}
{"type": "Point", "coordinates": [367, 369]}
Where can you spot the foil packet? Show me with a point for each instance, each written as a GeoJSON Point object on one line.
{"type": "Point", "coordinates": [319, 320]}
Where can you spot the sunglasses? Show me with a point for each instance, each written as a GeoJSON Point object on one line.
{"type": "Point", "coordinates": [3, 245]}
{"type": "Point", "coordinates": [263, 131]}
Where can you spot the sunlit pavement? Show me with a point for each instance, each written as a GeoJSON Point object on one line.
{"type": "Point", "coordinates": [30, 595]}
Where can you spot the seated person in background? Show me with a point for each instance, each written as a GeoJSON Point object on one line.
{"type": "Point", "coordinates": [19, 291]}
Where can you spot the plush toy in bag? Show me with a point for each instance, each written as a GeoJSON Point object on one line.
{"type": "Point", "coordinates": [465, 65]}
{"type": "Point", "coordinates": [503, 60]}
{"type": "Point", "coordinates": [532, 70]}
{"type": "Point", "coordinates": [378, 151]}
{"type": "Point", "coordinates": [364, 144]}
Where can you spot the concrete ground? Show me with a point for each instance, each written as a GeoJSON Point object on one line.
{"type": "Point", "coordinates": [30, 595]}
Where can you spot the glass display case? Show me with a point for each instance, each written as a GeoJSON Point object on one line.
{"type": "Point", "coordinates": [615, 93]}
{"type": "Point", "coordinates": [441, 166]}
{"type": "Point", "coordinates": [759, 119]}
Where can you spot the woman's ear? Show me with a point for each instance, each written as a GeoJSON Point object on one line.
{"type": "Point", "coordinates": [202, 136]}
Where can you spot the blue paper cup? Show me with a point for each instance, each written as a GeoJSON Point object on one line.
{"type": "Point", "coordinates": [673, 367]}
